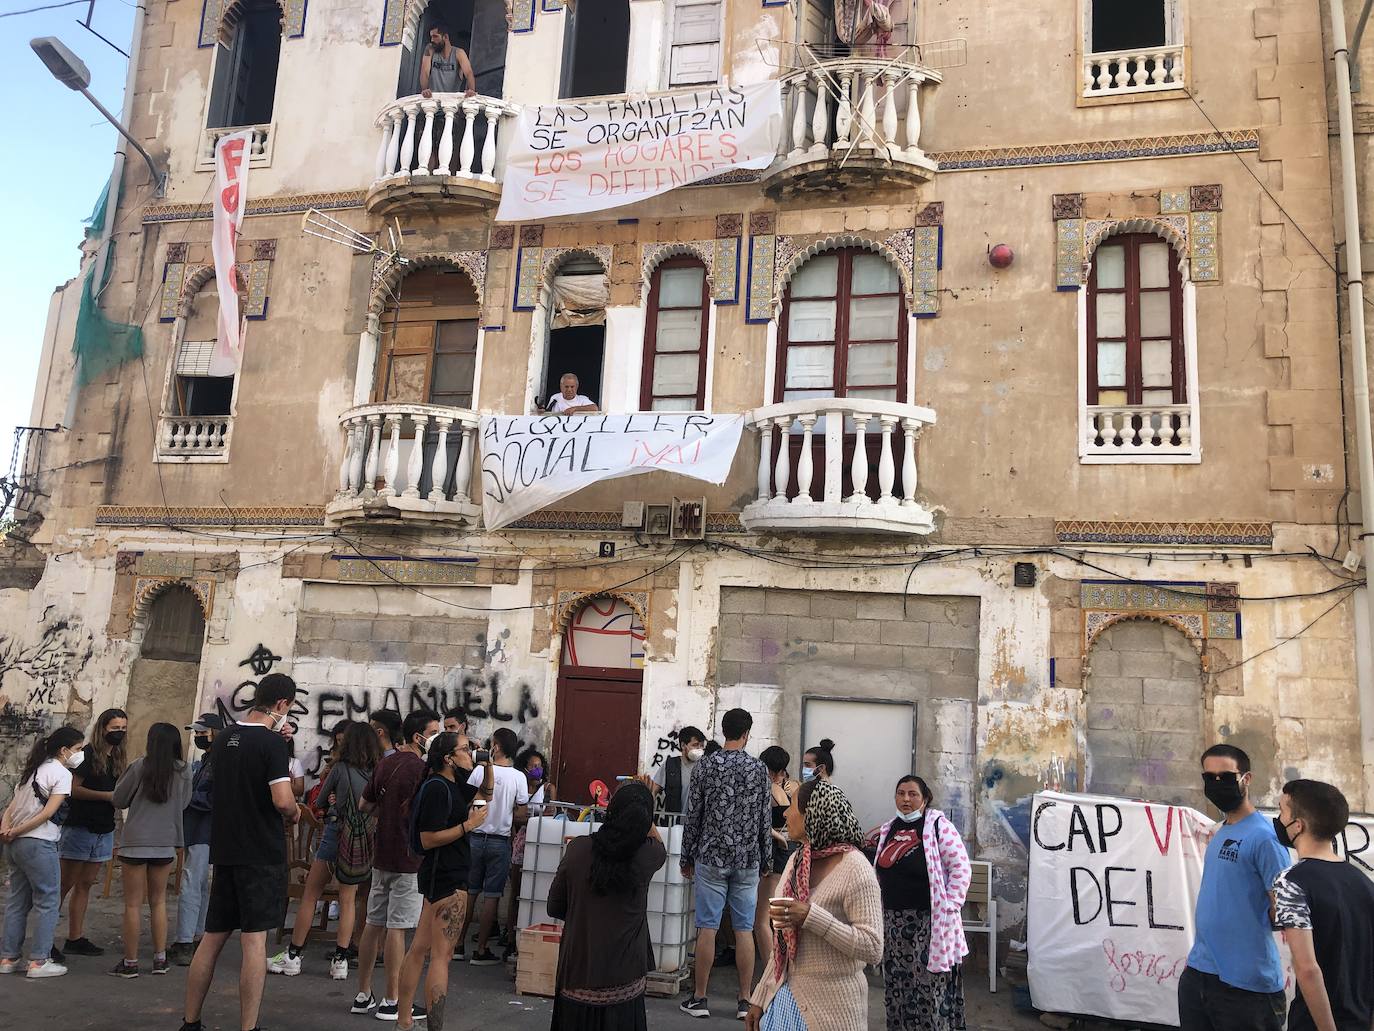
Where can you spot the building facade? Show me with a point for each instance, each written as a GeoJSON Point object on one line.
{"type": "Point", "coordinates": [1030, 320]}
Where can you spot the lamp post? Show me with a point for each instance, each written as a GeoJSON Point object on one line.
{"type": "Point", "coordinates": [72, 72]}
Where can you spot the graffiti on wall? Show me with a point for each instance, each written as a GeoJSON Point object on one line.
{"type": "Point", "coordinates": [665, 747]}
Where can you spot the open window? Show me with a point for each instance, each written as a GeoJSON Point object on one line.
{"type": "Point", "coordinates": [578, 295]}
{"type": "Point", "coordinates": [694, 43]}
{"type": "Point", "coordinates": [596, 48]}
{"type": "Point", "coordinates": [194, 390]}
{"type": "Point", "coordinates": [1128, 24]}
{"type": "Point", "coordinates": [1140, 404]}
{"type": "Point", "coordinates": [1131, 46]}
{"type": "Point", "coordinates": [478, 27]}
{"type": "Point", "coordinates": [674, 378]}
{"type": "Point", "coordinates": [197, 408]}
{"type": "Point", "coordinates": [245, 77]}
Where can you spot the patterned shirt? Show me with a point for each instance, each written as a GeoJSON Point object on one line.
{"type": "Point", "coordinates": [727, 820]}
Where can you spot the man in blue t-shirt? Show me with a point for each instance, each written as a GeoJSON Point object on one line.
{"type": "Point", "coordinates": [1234, 981]}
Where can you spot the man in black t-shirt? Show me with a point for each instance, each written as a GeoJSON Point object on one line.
{"type": "Point", "coordinates": [1325, 908]}
{"type": "Point", "coordinates": [247, 847]}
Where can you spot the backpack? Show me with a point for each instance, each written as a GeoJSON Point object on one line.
{"type": "Point", "coordinates": [413, 831]}
{"type": "Point", "coordinates": [357, 841]}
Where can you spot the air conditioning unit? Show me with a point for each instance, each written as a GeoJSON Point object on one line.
{"type": "Point", "coordinates": [632, 515]}
{"type": "Point", "coordinates": [689, 519]}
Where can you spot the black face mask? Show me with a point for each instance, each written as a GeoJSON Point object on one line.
{"type": "Point", "coordinates": [1281, 832]}
{"type": "Point", "coordinates": [202, 741]}
{"type": "Point", "coordinates": [115, 738]}
{"type": "Point", "coordinates": [1226, 795]}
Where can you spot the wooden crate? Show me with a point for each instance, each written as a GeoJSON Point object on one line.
{"type": "Point", "coordinates": [537, 963]}
{"type": "Point", "coordinates": [665, 985]}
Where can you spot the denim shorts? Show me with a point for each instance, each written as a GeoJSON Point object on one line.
{"type": "Point", "coordinates": [489, 865]}
{"type": "Point", "coordinates": [717, 886]}
{"type": "Point", "coordinates": [327, 851]}
{"type": "Point", "coordinates": [86, 846]}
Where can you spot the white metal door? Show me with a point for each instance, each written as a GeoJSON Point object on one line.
{"type": "Point", "coordinates": [874, 747]}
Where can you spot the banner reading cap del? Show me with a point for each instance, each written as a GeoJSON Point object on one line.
{"type": "Point", "coordinates": [530, 461]}
{"type": "Point", "coordinates": [578, 156]}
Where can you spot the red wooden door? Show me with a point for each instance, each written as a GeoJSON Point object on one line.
{"type": "Point", "coordinates": [596, 733]}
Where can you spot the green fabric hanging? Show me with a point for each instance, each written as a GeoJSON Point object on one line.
{"type": "Point", "coordinates": [101, 343]}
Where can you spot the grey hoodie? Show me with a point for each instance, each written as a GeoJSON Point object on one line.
{"type": "Point", "coordinates": [151, 830]}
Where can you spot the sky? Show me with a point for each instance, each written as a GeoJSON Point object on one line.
{"type": "Point", "coordinates": [57, 156]}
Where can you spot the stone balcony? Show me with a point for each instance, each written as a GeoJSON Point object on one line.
{"type": "Point", "coordinates": [839, 465]}
{"type": "Point", "coordinates": [1133, 72]}
{"type": "Point", "coordinates": [407, 463]}
{"type": "Point", "coordinates": [438, 153]}
{"type": "Point", "coordinates": [851, 121]}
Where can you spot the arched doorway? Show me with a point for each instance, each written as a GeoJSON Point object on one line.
{"type": "Point", "coordinates": [600, 682]}
{"type": "Point", "coordinates": [1146, 721]}
{"type": "Point", "coordinates": [166, 674]}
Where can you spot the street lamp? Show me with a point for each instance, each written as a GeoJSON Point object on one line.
{"type": "Point", "coordinates": [72, 72]}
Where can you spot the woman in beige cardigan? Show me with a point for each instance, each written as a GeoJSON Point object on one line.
{"type": "Point", "coordinates": [828, 921]}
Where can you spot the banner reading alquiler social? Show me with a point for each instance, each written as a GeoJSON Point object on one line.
{"type": "Point", "coordinates": [530, 461]}
{"type": "Point", "coordinates": [580, 156]}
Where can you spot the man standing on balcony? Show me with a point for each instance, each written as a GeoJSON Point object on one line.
{"type": "Point", "coordinates": [440, 69]}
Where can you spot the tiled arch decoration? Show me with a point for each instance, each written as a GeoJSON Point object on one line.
{"type": "Point", "coordinates": [182, 280]}
{"type": "Point", "coordinates": [388, 274]}
{"type": "Point", "coordinates": [401, 20]}
{"type": "Point", "coordinates": [535, 264]}
{"type": "Point", "coordinates": [570, 601]}
{"type": "Point", "coordinates": [655, 254]}
{"type": "Point", "coordinates": [217, 20]}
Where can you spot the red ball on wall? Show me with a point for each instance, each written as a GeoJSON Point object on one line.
{"type": "Point", "coordinates": [1000, 256]}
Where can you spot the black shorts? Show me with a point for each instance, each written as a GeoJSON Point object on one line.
{"type": "Point", "coordinates": [247, 899]}
{"type": "Point", "coordinates": [137, 861]}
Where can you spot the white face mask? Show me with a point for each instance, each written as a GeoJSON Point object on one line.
{"type": "Point", "coordinates": [910, 817]}
{"type": "Point", "coordinates": [76, 759]}
{"type": "Point", "coordinates": [694, 754]}
{"type": "Point", "coordinates": [428, 741]}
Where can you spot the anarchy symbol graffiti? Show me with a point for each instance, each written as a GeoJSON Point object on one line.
{"type": "Point", "coordinates": [261, 661]}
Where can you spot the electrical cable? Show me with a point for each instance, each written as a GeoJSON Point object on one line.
{"type": "Point", "coordinates": [1280, 644]}
{"type": "Point", "coordinates": [45, 7]}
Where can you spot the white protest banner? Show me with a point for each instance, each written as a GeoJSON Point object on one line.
{"type": "Point", "coordinates": [577, 156]}
{"type": "Point", "coordinates": [1110, 913]}
{"type": "Point", "coordinates": [231, 193]}
{"type": "Point", "coordinates": [530, 461]}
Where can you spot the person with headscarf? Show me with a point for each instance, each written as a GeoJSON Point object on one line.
{"type": "Point", "coordinates": [827, 919]}
{"type": "Point", "coordinates": [601, 892]}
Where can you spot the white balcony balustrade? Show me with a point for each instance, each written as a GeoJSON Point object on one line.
{"type": "Point", "coordinates": [839, 465]}
{"type": "Point", "coordinates": [259, 151]}
{"type": "Point", "coordinates": [1142, 70]}
{"type": "Point", "coordinates": [194, 438]}
{"type": "Point", "coordinates": [407, 460]}
{"type": "Point", "coordinates": [860, 113]}
{"type": "Point", "coordinates": [430, 144]}
{"type": "Point", "coordinates": [1139, 432]}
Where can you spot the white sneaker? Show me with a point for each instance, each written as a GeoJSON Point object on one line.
{"type": "Point", "coordinates": [333, 911]}
{"type": "Point", "coordinates": [338, 968]}
{"type": "Point", "coordinates": [10, 966]}
{"type": "Point", "coordinates": [46, 969]}
{"type": "Point", "coordinates": [282, 963]}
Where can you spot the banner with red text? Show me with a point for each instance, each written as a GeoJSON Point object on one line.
{"type": "Point", "coordinates": [231, 194]}
{"type": "Point", "coordinates": [575, 156]}
{"type": "Point", "coordinates": [530, 461]}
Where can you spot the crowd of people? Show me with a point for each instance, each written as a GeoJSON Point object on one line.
{"type": "Point", "coordinates": [435, 823]}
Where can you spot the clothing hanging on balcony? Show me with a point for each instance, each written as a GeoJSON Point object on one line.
{"type": "Point", "coordinates": [579, 300]}
{"type": "Point", "coordinates": [871, 23]}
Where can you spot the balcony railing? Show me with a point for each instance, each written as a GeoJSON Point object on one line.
{"type": "Point", "coordinates": [259, 153]}
{"type": "Point", "coordinates": [430, 144]}
{"type": "Point", "coordinates": [862, 113]}
{"type": "Point", "coordinates": [839, 464]}
{"type": "Point", "coordinates": [407, 458]}
{"type": "Point", "coordinates": [1142, 70]}
{"type": "Point", "coordinates": [194, 437]}
{"type": "Point", "coordinates": [1139, 432]}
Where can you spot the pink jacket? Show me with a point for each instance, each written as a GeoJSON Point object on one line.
{"type": "Point", "coordinates": [949, 871]}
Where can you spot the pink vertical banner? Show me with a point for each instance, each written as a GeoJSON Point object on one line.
{"type": "Point", "coordinates": [231, 194]}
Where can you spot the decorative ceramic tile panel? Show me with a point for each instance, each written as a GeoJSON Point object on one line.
{"type": "Point", "coordinates": [1175, 229]}
{"type": "Point", "coordinates": [293, 18]}
{"type": "Point", "coordinates": [729, 225]}
{"type": "Point", "coordinates": [762, 253]}
{"type": "Point", "coordinates": [146, 587]}
{"type": "Point", "coordinates": [393, 22]}
{"type": "Point", "coordinates": [169, 304]}
{"type": "Point", "coordinates": [210, 15]}
{"type": "Point", "coordinates": [1085, 531]}
{"type": "Point", "coordinates": [1068, 254]}
{"type": "Point", "coordinates": [532, 236]}
{"type": "Point", "coordinates": [925, 270]}
{"type": "Point", "coordinates": [1171, 202]}
{"type": "Point", "coordinates": [549, 257]}
{"type": "Point", "coordinates": [178, 251]}
{"type": "Point", "coordinates": [550, 6]}
{"type": "Point", "coordinates": [654, 254]}
{"type": "Point", "coordinates": [762, 223]}
{"type": "Point", "coordinates": [726, 264]}
{"type": "Point", "coordinates": [933, 214]}
{"type": "Point", "coordinates": [1203, 240]}
{"type": "Point", "coordinates": [1155, 596]}
{"type": "Point", "coordinates": [1206, 198]}
{"type": "Point", "coordinates": [283, 205]}
{"type": "Point", "coordinates": [1223, 625]}
{"type": "Point", "coordinates": [502, 238]}
{"type": "Point", "coordinates": [522, 15]}
{"type": "Point", "coordinates": [376, 569]}
{"type": "Point", "coordinates": [1097, 150]}
{"type": "Point", "coordinates": [256, 274]}
{"type": "Point", "coordinates": [209, 515]}
{"type": "Point", "coordinates": [528, 262]}
{"type": "Point", "coordinates": [1066, 205]}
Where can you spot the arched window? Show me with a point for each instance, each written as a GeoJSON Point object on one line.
{"type": "Point", "coordinates": [176, 626]}
{"type": "Point", "coordinates": [1135, 323]}
{"type": "Point", "coordinates": [843, 329]}
{"type": "Point", "coordinates": [596, 53]}
{"type": "Point", "coordinates": [674, 378]}
{"type": "Point", "coordinates": [245, 82]}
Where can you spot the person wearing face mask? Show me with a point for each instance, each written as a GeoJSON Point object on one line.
{"type": "Point", "coordinates": [673, 779]}
{"type": "Point", "coordinates": [782, 790]}
{"type": "Point", "coordinates": [819, 761]}
{"type": "Point", "coordinates": [1325, 908]}
{"type": "Point", "coordinates": [34, 867]}
{"type": "Point", "coordinates": [88, 831]}
{"type": "Point", "coordinates": [247, 848]}
{"type": "Point", "coordinates": [194, 897]}
{"type": "Point", "coordinates": [534, 766]}
{"type": "Point", "coordinates": [1234, 979]}
{"type": "Point", "coordinates": [923, 871]}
